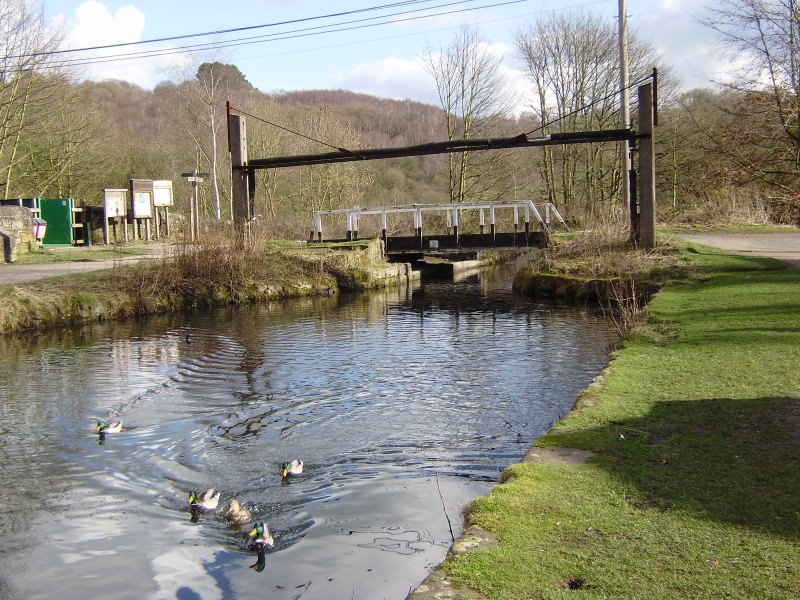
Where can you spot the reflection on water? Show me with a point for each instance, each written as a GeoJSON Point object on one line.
{"type": "Point", "coordinates": [379, 394]}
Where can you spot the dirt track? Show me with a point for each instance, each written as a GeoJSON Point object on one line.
{"type": "Point", "coordinates": [784, 246]}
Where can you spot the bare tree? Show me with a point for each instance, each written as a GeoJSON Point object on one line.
{"type": "Point", "coordinates": [572, 62]}
{"type": "Point", "coordinates": [334, 185]}
{"type": "Point", "coordinates": [766, 34]}
{"type": "Point", "coordinates": [25, 41]}
{"type": "Point", "coordinates": [476, 101]}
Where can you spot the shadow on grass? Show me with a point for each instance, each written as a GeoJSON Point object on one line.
{"type": "Point", "coordinates": [733, 461]}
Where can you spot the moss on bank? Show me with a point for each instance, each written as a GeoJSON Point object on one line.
{"type": "Point", "coordinates": [194, 277]}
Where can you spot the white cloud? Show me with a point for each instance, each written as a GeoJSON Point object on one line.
{"type": "Point", "coordinates": [95, 25]}
{"type": "Point", "coordinates": [400, 78]}
{"type": "Point", "coordinates": [672, 26]}
{"type": "Point", "coordinates": [390, 77]}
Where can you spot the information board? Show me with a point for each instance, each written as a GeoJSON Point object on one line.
{"type": "Point", "coordinates": [115, 202]}
{"type": "Point", "coordinates": [162, 192]}
{"type": "Point", "coordinates": [142, 198]}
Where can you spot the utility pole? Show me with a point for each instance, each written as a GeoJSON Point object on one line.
{"type": "Point", "coordinates": [624, 103]}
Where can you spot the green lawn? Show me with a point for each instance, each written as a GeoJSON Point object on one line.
{"type": "Point", "coordinates": [77, 254]}
{"type": "Point", "coordinates": [695, 488]}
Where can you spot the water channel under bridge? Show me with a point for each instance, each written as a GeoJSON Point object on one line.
{"type": "Point", "coordinates": [446, 237]}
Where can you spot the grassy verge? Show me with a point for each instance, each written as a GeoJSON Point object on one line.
{"type": "Point", "coordinates": [216, 272]}
{"type": "Point", "coordinates": [73, 254]}
{"type": "Point", "coordinates": [695, 488]}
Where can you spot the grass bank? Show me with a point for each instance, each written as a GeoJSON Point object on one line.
{"type": "Point", "coordinates": [195, 276]}
{"type": "Point", "coordinates": [694, 490]}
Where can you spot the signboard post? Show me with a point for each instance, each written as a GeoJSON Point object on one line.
{"type": "Point", "coordinates": [162, 198]}
{"type": "Point", "coordinates": [195, 179]}
{"type": "Point", "coordinates": [114, 207]}
{"type": "Point", "coordinates": [141, 205]}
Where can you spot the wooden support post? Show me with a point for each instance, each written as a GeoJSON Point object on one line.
{"type": "Point", "coordinates": [516, 223]}
{"type": "Point", "coordinates": [455, 223]}
{"type": "Point", "coordinates": [196, 215]}
{"type": "Point", "coordinates": [647, 170]}
{"type": "Point", "coordinates": [491, 224]}
{"type": "Point", "coordinates": [191, 212]}
{"type": "Point", "coordinates": [418, 225]}
{"type": "Point", "coordinates": [237, 137]}
{"type": "Point", "coordinates": [105, 228]}
{"type": "Point", "coordinates": [527, 223]}
{"type": "Point", "coordinates": [481, 221]}
{"type": "Point", "coordinates": [384, 228]}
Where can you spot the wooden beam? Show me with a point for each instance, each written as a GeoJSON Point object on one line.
{"type": "Point", "coordinates": [447, 147]}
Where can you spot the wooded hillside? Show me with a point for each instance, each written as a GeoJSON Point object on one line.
{"type": "Point", "coordinates": [724, 155]}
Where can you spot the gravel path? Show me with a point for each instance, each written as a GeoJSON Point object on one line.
{"type": "Point", "coordinates": [784, 246]}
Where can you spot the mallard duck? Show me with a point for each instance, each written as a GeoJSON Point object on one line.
{"type": "Point", "coordinates": [294, 467]}
{"type": "Point", "coordinates": [237, 513]}
{"type": "Point", "coordinates": [208, 500]}
{"type": "Point", "coordinates": [262, 538]}
{"type": "Point", "coordinates": [109, 426]}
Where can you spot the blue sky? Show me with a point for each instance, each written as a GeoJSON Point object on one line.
{"type": "Point", "coordinates": [383, 60]}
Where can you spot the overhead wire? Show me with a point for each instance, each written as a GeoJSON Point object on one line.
{"type": "Point", "coordinates": [278, 36]}
{"type": "Point", "coordinates": [295, 34]}
{"type": "Point", "coordinates": [221, 31]}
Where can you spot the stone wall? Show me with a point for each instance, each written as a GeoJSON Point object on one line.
{"type": "Point", "coordinates": [16, 232]}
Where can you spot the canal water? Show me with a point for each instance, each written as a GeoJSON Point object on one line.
{"type": "Point", "coordinates": [403, 404]}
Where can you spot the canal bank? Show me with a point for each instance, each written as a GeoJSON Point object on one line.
{"type": "Point", "coordinates": [676, 473]}
{"type": "Point", "coordinates": [181, 277]}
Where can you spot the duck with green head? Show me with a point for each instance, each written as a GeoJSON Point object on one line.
{"type": "Point", "coordinates": [262, 539]}
{"type": "Point", "coordinates": [104, 427]}
{"type": "Point", "coordinates": [208, 500]}
{"type": "Point", "coordinates": [293, 467]}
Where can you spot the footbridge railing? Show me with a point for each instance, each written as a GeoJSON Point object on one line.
{"type": "Point", "coordinates": [544, 214]}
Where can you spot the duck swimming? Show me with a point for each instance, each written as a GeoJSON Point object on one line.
{"type": "Point", "coordinates": [263, 539]}
{"type": "Point", "coordinates": [294, 467]}
{"type": "Point", "coordinates": [208, 500]}
{"type": "Point", "coordinates": [109, 427]}
{"type": "Point", "coordinates": [237, 513]}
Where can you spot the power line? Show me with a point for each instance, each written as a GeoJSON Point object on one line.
{"type": "Point", "coordinates": [281, 36]}
{"type": "Point", "coordinates": [221, 31]}
{"type": "Point", "coordinates": [366, 41]}
{"type": "Point", "coordinates": [278, 36]}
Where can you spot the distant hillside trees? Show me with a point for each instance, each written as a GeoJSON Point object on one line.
{"type": "Point", "coordinates": [719, 152]}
